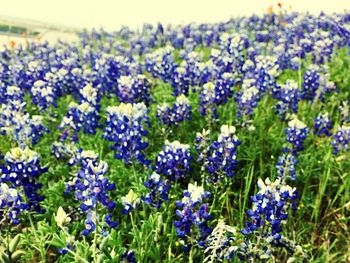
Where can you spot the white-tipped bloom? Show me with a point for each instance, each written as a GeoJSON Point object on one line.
{"type": "Point", "coordinates": [61, 217]}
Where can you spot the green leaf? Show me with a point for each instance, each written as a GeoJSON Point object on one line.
{"type": "Point", "coordinates": [14, 243]}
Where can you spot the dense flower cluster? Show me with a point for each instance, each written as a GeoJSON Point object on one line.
{"type": "Point", "coordinates": [288, 96]}
{"type": "Point", "coordinates": [193, 216]}
{"type": "Point", "coordinates": [270, 210]}
{"type": "Point", "coordinates": [43, 95]}
{"type": "Point", "coordinates": [180, 81]}
{"type": "Point", "coordinates": [207, 98]}
{"type": "Point", "coordinates": [11, 205]}
{"type": "Point", "coordinates": [286, 167]}
{"type": "Point", "coordinates": [341, 139]}
{"type": "Point", "coordinates": [322, 125]}
{"type": "Point", "coordinates": [311, 83]}
{"type": "Point", "coordinates": [125, 127]}
{"type": "Point", "coordinates": [180, 111]}
{"type": "Point", "coordinates": [216, 93]}
{"type": "Point", "coordinates": [91, 187]}
{"type": "Point", "coordinates": [296, 134]}
{"type": "Point", "coordinates": [134, 89]}
{"type": "Point", "coordinates": [90, 95]}
{"type": "Point", "coordinates": [161, 63]}
{"type": "Point", "coordinates": [247, 99]}
{"type": "Point", "coordinates": [21, 172]}
{"type": "Point", "coordinates": [159, 190]}
{"type": "Point", "coordinates": [174, 160]}
{"type": "Point", "coordinates": [17, 123]}
{"type": "Point", "coordinates": [222, 154]}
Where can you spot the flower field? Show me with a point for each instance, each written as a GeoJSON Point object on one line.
{"type": "Point", "coordinates": [222, 142]}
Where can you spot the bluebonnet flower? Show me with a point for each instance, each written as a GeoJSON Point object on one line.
{"type": "Point", "coordinates": [159, 190]}
{"type": "Point", "coordinates": [84, 116]}
{"type": "Point", "coordinates": [220, 243]}
{"type": "Point", "coordinates": [91, 187]}
{"type": "Point", "coordinates": [17, 123]}
{"type": "Point", "coordinates": [11, 205]}
{"type": "Point", "coordinates": [286, 167]}
{"type": "Point", "coordinates": [64, 251]}
{"type": "Point", "coordinates": [165, 114]}
{"type": "Point", "coordinates": [161, 63]}
{"type": "Point", "coordinates": [207, 98]}
{"type": "Point", "coordinates": [270, 210]}
{"type": "Point", "coordinates": [180, 111]}
{"type": "Point", "coordinates": [128, 257]}
{"type": "Point", "coordinates": [204, 72]}
{"type": "Point", "coordinates": [223, 88]}
{"type": "Point", "coordinates": [35, 71]}
{"type": "Point", "coordinates": [193, 217]}
{"type": "Point", "coordinates": [322, 125]}
{"type": "Point", "coordinates": [13, 93]}
{"type": "Point", "coordinates": [174, 160]}
{"type": "Point", "coordinates": [311, 83]}
{"type": "Point", "coordinates": [87, 156]}
{"type": "Point", "coordinates": [134, 89]}
{"type": "Point", "coordinates": [180, 81]}
{"type": "Point", "coordinates": [66, 147]}
{"type": "Point", "coordinates": [323, 49]}
{"type": "Point", "coordinates": [141, 89]}
{"type": "Point", "coordinates": [22, 171]}
{"type": "Point", "coordinates": [214, 94]}
{"type": "Point", "coordinates": [68, 126]}
{"type": "Point", "coordinates": [90, 95]}
{"type": "Point", "coordinates": [125, 127]}
{"type": "Point", "coordinates": [130, 202]}
{"type": "Point", "coordinates": [247, 99]}
{"type": "Point", "coordinates": [43, 95]}
{"type": "Point", "coordinates": [66, 150]}
{"type": "Point", "coordinates": [326, 86]}
{"type": "Point", "coordinates": [296, 134]}
{"type": "Point", "coordinates": [341, 139]}
{"type": "Point", "coordinates": [107, 70]}
{"type": "Point", "coordinates": [222, 154]}
{"type": "Point", "coordinates": [202, 142]}
{"type": "Point", "coordinates": [208, 38]}
{"type": "Point", "coordinates": [37, 128]}
{"type": "Point", "coordinates": [190, 63]}
{"type": "Point", "coordinates": [288, 96]}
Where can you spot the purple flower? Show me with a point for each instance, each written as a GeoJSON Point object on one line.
{"type": "Point", "coordinates": [21, 172]}
{"type": "Point", "coordinates": [296, 134]}
{"type": "Point", "coordinates": [341, 139]}
{"type": "Point", "coordinates": [193, 216]}
{"type": "Point", "coordinates": [174, 160]}
{"type": "Point", "coordinates": [270, 210]}
{"type": "Point", "coordinates": [125, 127]}
{"type": "Point", "coordinates": [91, 188]}
{"type": "Point", "coordinates": [322, 125]}
{"type": "Point", "coordinates": [159, 190]}
{"type": "Point", "coordinates": [222, 154]}
{"type": "Point", "coordinates": [180, 112]}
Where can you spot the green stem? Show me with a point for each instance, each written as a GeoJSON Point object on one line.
{"type": "Point", "coordinates": [42, 249]}
{"type": "Point", "coordinates": [95, 236]}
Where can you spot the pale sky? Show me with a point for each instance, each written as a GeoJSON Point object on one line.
{"type": "Point", "coordinates": [111, 14]}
